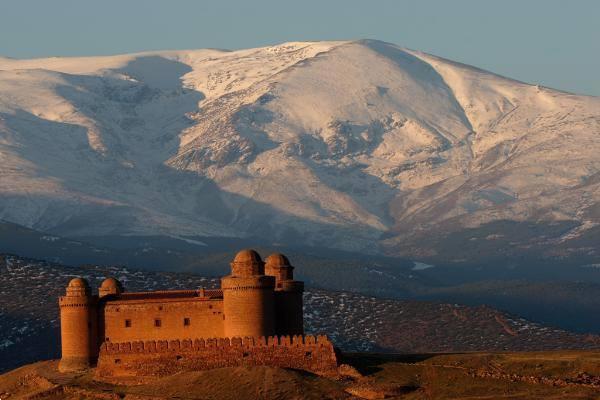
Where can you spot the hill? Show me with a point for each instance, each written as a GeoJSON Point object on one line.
{"type": "Point", "coordinates": [549, 375]}
{"type": "Point", "coordinates": [362, 146]}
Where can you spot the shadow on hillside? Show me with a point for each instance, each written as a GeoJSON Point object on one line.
{"type": "Point", "coordinates": [43, 345]}
{"type": "Point", "coordinates": [370, 363]}
{"type": "Point", "coordinates": [153, 108]}
{"type": "Point", "coordinates": [125, 199]}
{"type": "Point", "coordinates": [158, 72]}
{"type": "Point", "coordinates": [116, 166]}
{"type": "Point", "coordinates": [423, 73]}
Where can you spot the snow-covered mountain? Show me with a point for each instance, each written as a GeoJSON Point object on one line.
{"type": "Point", "coordinates": [359, 145]}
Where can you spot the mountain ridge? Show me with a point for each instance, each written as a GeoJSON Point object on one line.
{"type": "Point", "coordinates": [357, 145]}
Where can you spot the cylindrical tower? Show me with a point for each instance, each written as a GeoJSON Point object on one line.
{"type": "Point", "coordinates": [289, 313]}
{"type": "Point", "coordinates": [78, 327]}
{"type": "Point", "coordinates": [248, 298]}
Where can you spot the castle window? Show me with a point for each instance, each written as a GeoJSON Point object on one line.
{"type": "Point", "coordinates": [308, 354]}
{"type": "Point", "coordinates": [127, 323]}
{"type": "Point", "coordinates": [157, 323]}
{"type": "Point", "coordinates": [186, 322]}
{"type": "Point", "coordinates": [117, 361]}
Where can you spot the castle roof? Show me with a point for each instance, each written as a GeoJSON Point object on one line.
{"type": "Point", "coordinates": [110, 286]}
{"type": "Point", "coordinates": [247, 263]}
{"type": "Point", "coordinates": [78, 283]}
{"type": "Point", "coordinates": [78, 287]}
{"type": "Point", "coordinates": [278, 265]}
{"type": "Point", "coordinates": [247, 255]}
{"type": "Point", "coordinates": [111, 283]}
{"type": "Point", "coordinates": [277, 260]}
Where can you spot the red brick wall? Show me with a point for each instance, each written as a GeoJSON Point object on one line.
{"type": "Point", "coordinates": [161, 358]}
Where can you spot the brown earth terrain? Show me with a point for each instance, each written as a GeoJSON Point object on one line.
{"type": "Point", "coordinates": [527, 375]}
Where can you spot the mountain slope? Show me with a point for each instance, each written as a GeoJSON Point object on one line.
{"type": "Point", "coordinates": [360, 146]}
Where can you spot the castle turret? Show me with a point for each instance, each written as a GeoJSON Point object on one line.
{"type": "Point", "coordinates": [78, 327]}
{"type": "Point", "coordinates": [278, 265]}
{"type": "Point", "coordinates": [110, 286]}
{"type": "Point", "coordinates": [248, 297]}
{"type": "Point", "coordinates": [288, 296]}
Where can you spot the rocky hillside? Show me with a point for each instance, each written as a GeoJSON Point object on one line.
{"type": "Point", "coordinates": [475, 376]}
{"type": "Point", "coordinates": [362, 146]}
{"type": "Point", "coordinates": [29, 321]}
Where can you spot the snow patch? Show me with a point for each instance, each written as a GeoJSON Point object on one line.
{"type": "Point", "coordinates": [419, 266]}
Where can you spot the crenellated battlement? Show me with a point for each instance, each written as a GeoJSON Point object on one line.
{"type": "Point", "coordinates": [165, 357]}
{"type": "Point", "coordinates": [164, 346]}
{"type": "Point", "coordinates": [67, 301]}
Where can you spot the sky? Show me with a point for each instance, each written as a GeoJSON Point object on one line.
{"type": "Point", "coordinates": [553, 43]}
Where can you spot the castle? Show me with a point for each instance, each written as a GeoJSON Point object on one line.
{"type": "Point", "coordinates": [256, 318]}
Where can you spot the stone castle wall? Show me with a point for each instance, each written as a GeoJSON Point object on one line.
{"type": "Point", "coordinates": [79, 332]}
{"type": "Point", "coordinates": [248, 305]}
{"type": "Point", "coordinates": [162, 358]}
{"type": "Point", "coordinates": [161, 319]}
